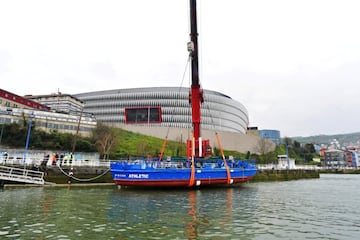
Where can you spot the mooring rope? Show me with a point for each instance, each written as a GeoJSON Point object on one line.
{"type": "Point", "coordinates": [83, 179]}
{"type": "Point", "coordinates": [224, 159]}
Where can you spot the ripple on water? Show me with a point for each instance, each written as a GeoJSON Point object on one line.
{"type": "Point", "coordinates": [4, 233]}
{"type": "Point", "coordinates": [63, 237]}
{"type": "Point", "coordinates": [33, 225]}
{"type": "Point", "coordinates": [99, 229]}
{"type": "Point", "coordinates": [15, 236]}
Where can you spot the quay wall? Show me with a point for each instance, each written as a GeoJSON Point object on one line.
{"type": "Point", "coordinates": [265, 175]}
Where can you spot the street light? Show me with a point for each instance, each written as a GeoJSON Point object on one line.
{"type": "Point", "coordinates": [2, 130]}
{"type": "Point", "coordinates": [28, 137]}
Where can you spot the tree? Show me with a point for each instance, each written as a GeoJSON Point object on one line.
{"type": "Point", "coordinates": [264, 147]}
{"type": "Point", "coordinates": [105, 139]}
{"type": "Point", "coordinates": [85, 145]}
{"type": "Point", "coordinates": [296, 144]}
{"type": "Point", "coordinates": [309, 147]}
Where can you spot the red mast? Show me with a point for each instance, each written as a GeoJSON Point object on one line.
{"type": "Point", "coordinates": [196, 95]}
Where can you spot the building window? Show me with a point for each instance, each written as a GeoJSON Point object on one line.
{"type": "Point", "coordinates": [143, 115]}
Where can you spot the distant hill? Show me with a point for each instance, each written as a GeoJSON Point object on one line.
{"type": "Point", "coordinates": [350, 139]}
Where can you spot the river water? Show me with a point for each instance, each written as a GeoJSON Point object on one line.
{"type": "Point", "coordinates": [325, 208]}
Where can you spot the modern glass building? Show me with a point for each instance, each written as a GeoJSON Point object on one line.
{"type": "Point", "coordinates": [165, 106]}
{"type": "Point", "coordinates": [273, 135]}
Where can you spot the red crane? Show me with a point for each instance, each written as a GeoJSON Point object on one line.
{"type": "Point", "coordinates": [196, 147]}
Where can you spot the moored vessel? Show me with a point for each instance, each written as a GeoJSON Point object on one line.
{"type": "Point", "coordinates": [196, 169]}
{"type": "Point", "coordinates": [184, 173]}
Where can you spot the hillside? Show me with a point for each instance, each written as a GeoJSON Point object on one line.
{"type": "Point", "coordinates": [112, 142]}
{"type": "Point", "coordinates": [350, 139]}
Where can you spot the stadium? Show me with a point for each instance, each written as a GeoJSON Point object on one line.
{"type": "Point", "coordinates": [167, 107]}
{"type": "Point", "coordinates": [166, 112]}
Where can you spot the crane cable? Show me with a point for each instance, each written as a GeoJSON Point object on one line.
{"type": "Point", "coordinates": [172, 115]}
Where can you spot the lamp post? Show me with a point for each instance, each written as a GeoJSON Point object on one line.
{"type": "Point", "coordinates": [2, 130]}
{"type": "Point", "coordinates": [287, 156]}
{"type": "Point", "coordinates": [28, 137]}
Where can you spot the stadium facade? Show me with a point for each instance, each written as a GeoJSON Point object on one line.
{"type": "Point", "coordinates": [166, 112]}
{"type": "Point", "coordinates": [165, 107]}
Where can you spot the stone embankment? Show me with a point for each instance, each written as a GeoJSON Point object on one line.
{"type": "Point", "coordinates": [284, 175]}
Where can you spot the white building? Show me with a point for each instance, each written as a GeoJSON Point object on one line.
{"type": "Point", "coordinates": [64, 103]}
{"type": "Point", "coordinates": [285, 162]}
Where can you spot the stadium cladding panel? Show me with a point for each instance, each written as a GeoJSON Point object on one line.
{"type": "Point", "coordinates": [167, 106]}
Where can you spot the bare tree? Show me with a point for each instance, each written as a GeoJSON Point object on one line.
{"type": "Point", "coordinates": [105, 140]}
{"type": "Point", "coordinates": [105, 144]}
{"type": "Point", "coordinates": [264, 147]}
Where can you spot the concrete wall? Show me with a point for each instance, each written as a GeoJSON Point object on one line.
{"type": "Point", "coordinates": [230, 141]}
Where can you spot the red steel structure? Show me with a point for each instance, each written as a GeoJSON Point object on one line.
{"type": "Point", "coordinates": [198, 147]}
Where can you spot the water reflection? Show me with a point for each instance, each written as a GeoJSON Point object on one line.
{"type": "Point", "coordinates": [200, 223]}
{"type": "Point", "coordinates": [314, 209]}
{"type": "Point", "coordinates": [178, 213]}
{"type": "Point", "coordinates": [191, 227]}
{"type": "Point", "coordinates": [109, 213]}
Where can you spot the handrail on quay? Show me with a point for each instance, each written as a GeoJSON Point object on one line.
{"type": "Point", "coordinates": [21, 175]}
{"type": "Point", "coordinates": [36, 161]}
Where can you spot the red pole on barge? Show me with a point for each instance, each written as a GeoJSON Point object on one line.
{"type": "Point", "coordinates": [196, 95]}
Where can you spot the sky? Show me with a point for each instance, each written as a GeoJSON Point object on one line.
{"type": "Point", "coordinates": [294, 64]}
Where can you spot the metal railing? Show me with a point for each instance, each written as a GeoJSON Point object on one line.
{"type": "Point", "coordinates": [282, 167]}
{"type": "Point", "coordinates": [37, 161]}
{"type": "Point", "coordinates": [21, 175]}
